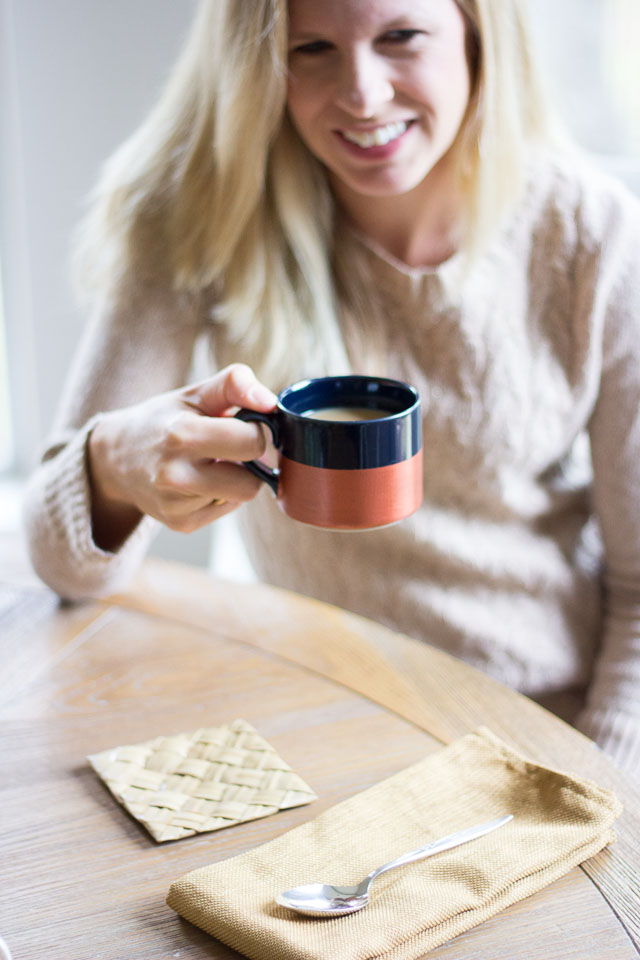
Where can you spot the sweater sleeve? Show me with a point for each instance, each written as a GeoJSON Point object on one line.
{"type": "Point", "coordinates": [58, 523]}
{"type": "Point", "coordinates": [612, 713]}
{"type": "Point", "coordinates": [139, 342]}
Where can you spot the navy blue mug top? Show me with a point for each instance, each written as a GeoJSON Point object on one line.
{"type": "Point", "coordinates": [346, 445]}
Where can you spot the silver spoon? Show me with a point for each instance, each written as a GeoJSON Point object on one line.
{"type": "Point", "coordinates": [323, 899]}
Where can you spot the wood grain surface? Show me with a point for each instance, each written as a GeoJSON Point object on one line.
{"type": "Point", "coordinates": [343, 700]}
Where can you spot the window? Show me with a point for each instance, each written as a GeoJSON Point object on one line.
{"type": "Point", "coordinates": [588, 50]}
{"type": "Point", "coordinates": [6, 437]}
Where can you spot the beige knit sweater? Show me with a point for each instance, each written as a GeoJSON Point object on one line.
{"type": "Point", "coordinates": [525, 558]}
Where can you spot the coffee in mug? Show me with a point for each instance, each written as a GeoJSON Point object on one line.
{"type": "Point", "coordinates": [349, 451]}
{"type": "Point", "coordinates": [346, 413]}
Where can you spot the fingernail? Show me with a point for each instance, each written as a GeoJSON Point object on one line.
{"type": "Point", "coordinates": [261, 396]}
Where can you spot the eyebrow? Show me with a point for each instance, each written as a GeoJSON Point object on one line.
{"type": "Point", "coordinates": [403, 22]}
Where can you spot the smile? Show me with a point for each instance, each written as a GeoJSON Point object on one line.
{"type": "Point", "coordinates": [378, 137]}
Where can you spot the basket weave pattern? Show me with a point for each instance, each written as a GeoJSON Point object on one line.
{"type": "Point", "coordinates": [205, 780]}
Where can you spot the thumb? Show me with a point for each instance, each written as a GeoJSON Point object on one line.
{"type": "Point", "coordinates": [234, 386]}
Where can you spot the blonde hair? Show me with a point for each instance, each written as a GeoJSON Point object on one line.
{"type": "Point", "coordinates": [218, 180]}
{"type": "Point", "coordinates": [508, 113]}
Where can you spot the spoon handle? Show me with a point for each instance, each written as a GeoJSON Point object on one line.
{"type": "Point", "coordinates": [437, 846]}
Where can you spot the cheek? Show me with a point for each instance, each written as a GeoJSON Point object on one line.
{"type": "Point", "coordinates": [306, 106]}
{"type": "Point", "coordinates": [460, 93]}
{"type": "Point", "coordinates": [447, 89]}
{"type": "Point", "coordinates": [299, 103]}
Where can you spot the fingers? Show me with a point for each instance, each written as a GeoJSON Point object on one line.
{"type": "Point", "coordinates": [185, 486]}
{"type": "Point", "coordinates": [190, 496]}
{"type": "Point", "coordinates": [193, 436]}
{"type": "Point", "coordinates": [203, 430]}
{"type": "Point", "coordinates": [200, 517]}
{"type": "Point", "coordinates": [172, 455]}
{"type": "Point", "coordinates": [234, 386]}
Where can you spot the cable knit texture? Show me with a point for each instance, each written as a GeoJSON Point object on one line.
{"type": "Point", "coordinates": [524, 559]}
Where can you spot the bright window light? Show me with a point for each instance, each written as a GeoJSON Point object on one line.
{"type": "Point", "coordinates": [6, 439]}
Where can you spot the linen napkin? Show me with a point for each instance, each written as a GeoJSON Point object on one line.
{"type": "Point", "coordinates": [559, 821]}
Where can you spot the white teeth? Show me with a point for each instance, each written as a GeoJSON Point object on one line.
{"type": "Point", "coordinates": [378, 137]}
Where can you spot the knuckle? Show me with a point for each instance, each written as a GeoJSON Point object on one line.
{"type": "Point", "coordinates": [182, 527]}
{"type": "Point", "coordinates": [173, 520]}
{"type": "Point", "coordinates": [165, 479]}
{"type": "Point", "coordinates": [239, 378]}
{"type": "Point", "coordinates": [187, 524]}
{"type": "Point", "coordinates": [174, 525]}
{"type": "Point", "coordinates": [239, 371]}
{"type": "Point", "coordinates": [173, 477]}
{"type": "Point", "coordinates": [178, 432]}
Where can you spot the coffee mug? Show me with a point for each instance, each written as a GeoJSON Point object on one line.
{"type": "Point", "coordinates": [349, 451]}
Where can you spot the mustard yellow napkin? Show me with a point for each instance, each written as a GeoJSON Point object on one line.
{"type": "Point", "coordinates": [559, 821]}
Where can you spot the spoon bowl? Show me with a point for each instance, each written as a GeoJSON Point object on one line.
{"type": "Point", "coordinates": [327, 900]}
{"type": "Point", "coordinates": [317, 899]}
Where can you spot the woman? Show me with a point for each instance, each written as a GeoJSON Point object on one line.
{"type": "Point", "coordinates": [372, 187]}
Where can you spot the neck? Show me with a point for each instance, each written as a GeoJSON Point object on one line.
{"type": "Point", "coordinates": [420, 228]}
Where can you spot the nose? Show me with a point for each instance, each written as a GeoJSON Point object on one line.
{"type": "Point", "coordinates": [364, 84]}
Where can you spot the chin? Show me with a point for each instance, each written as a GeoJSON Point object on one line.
{"type": "Point", "coordinates": [382, 187]}
{"type": "Point", "coordinates": [383, 181]}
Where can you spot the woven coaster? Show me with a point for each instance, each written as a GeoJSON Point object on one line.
{"type": "Point", "coordinates": [194, 782]}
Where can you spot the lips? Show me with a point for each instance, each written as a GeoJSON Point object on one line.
{"type": "Point", "coordinates": [378, 136]}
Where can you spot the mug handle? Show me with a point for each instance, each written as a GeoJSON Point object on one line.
{"type": "Point", "coordinates": [255, 467]}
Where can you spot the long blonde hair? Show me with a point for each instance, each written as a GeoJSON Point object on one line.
{"type": "Point", "coordinates": [219, 179]}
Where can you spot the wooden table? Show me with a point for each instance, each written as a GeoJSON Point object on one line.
{"type": "Point", "coordinates": [345, 702]}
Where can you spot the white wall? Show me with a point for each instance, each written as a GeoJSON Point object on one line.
{"type": "Point", "coordinates": [77, 76]}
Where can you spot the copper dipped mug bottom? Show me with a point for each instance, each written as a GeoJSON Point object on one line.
{"type": "Point", "coordinates": [349, 451]}
{"type": "Point", "coordinates": [357, 499]}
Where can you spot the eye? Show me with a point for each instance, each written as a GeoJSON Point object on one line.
{"type": "Point", "coordinates": [400, 36]}
{"type": "Point", "coordinates": [312, 48]}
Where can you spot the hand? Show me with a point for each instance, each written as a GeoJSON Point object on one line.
{"type": "Point", "coordinates": [176, 456]}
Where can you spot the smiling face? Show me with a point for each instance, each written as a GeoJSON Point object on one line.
{"type": "Point", "coordinates": [377, 89]}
